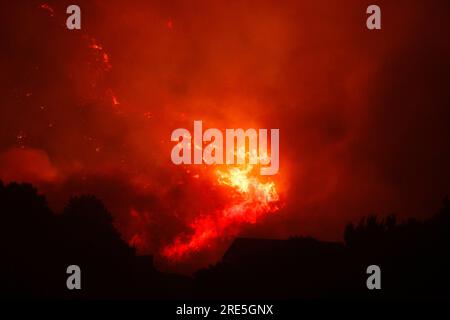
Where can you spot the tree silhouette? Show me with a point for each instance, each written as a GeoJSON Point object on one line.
{"type": "Point", "coordinates": [37, 245]}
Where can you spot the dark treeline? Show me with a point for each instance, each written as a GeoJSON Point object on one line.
{"type": "Point", "coordinates": [37, 245]}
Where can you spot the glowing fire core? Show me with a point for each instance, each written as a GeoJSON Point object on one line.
{"type": "Point", "coordinates": [252, 199]}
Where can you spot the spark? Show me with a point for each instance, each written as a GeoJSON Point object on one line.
{"type": "Point", "coordinates": [46, 7]}
{"type": "Point", "coordinates": [95, 46]}
{"type": "Point", "coordinates": [115, 101]}
{"type": "Point", "coordinates": [101, 54]}
{"type": "Point", "coordinates": [21, 137]}
{"type": "Point", "coordinates": [148, 115]}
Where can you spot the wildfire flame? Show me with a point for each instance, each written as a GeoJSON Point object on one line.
{"type": "Point", "coordinates": [252, 199]}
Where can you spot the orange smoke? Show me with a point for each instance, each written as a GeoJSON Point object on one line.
{"type": "Point", "coordinates": [26, 165]}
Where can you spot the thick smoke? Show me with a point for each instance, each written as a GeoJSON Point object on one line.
{"type": "Point", "coordinates": [362, 114]}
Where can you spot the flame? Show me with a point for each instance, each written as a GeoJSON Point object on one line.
{"type": "Point", "coordinates": [252, 199]}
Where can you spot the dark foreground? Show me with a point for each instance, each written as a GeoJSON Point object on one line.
{"type": "Point", "coordinates": [37, 246]}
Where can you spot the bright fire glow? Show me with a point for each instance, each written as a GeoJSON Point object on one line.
{"type": "Point", "coordinates": [252, 200]}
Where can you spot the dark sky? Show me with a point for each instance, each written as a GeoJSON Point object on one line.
{"type": "Point", "coordinates": [363, 115]}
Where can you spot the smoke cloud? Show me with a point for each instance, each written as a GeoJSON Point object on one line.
{"type": "Point", "coordinates": [363, 115]}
